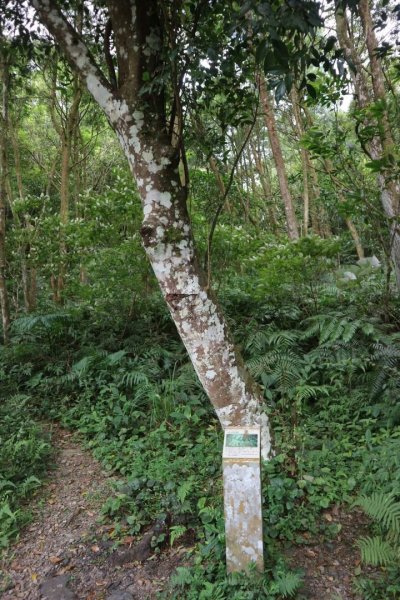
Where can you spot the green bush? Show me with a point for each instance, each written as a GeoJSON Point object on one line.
{"type": "Point", "coordinates": [24, 454]}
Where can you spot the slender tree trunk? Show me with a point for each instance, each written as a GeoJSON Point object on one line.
{"type": "Point", "coordinates": [319, 213]}
{"type": "Point", "coordinates": [377, 76]}
{"type": "Point", "coordinates": [266, 187]}
{"type": "Point", "coordinates": [354, 234]}
{"type": "Point", "coordinates": [269, 117]}
{"type": "Point", "coordinates": [349, 222]}
{"type": "Point", "coordinates": [249, 171]}
{"type": "Point", "coordinates": [68, 135]}
{"type": "Point", "coordinates": [220, 182]}
{"type": "Point", "coordinates": [50, 176]}
{"type": "Point", "coordinates": [139, 120]}
{"type": "Point", "coordinates": [305, 160]}
{"type": "Point", "coordinates": [381, 146]}
{"type": "Point", "coordinates": [361, 88]}
{"type": "Point", "coordinates": [5, 81]}
{"type": "Point", "coordinates": [28, 272]}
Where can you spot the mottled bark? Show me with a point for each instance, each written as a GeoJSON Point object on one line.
{"type": "Point", "coordinates": [269, 117]}
{"type": "Point", "coordinates": [140, 123]}
{"type": "Point", "coordinates": [5, 81]}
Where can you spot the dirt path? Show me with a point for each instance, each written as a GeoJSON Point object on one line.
{"type": "Point", "coordinates": [65, 554]}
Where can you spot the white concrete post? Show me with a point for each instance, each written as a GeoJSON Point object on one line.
{"type": "Point", "coordinates": [243, 498]}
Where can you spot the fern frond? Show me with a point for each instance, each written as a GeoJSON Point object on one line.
{"type": "Point", "coordinates": [133, 378]}
{"type": "Point", "coordinates": [288, 584]}
{"type": "Point", "coordinates": [382, 508]}
{"type": "Point", "coordinates": [387, 354]}
{"type": "Point", "coordinates": [376, 551]}
{"type": "Point", "coordinates": [115, 357]}
{"type": "Point", "coordinates": [283, 339]}
{"type": "Point", "coordinates": [307, 392]}
{"type": "Point", "coordinates": [257, 342]}
{"type": "Point", "coordinates": [32, 322]}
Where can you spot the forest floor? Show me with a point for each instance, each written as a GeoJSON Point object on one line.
{"type": "Point", "coordinates": [66, 552]}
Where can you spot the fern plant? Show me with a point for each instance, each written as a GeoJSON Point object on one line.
{"type": "Point", "coordinates": [384, 510]}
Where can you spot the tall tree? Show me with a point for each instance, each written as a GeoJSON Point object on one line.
{"type": "Point", "coordinates": [270, 122]}
{"type": "Point", "coordinates": [305, 158]}
{"type": "Point", "coordinates": [379, 146]}
{"type": "Point", "coordinates": [135, 103]}
{"type": "Point", "coordinates": [65, 118]}
{"type": "Point", "coordinates": [5, 83]}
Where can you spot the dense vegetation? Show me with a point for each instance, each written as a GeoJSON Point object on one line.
{"type": "Point", "coordinates": [89, 342]}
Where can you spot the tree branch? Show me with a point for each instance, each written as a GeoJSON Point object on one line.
{"type": "Point", "coordinates": [207, 258]}
{"type": "Point", "coordinates": [77, 54]}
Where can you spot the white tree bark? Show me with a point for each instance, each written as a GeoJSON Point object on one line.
{"type": "Point", "coordinates": [166, 229]}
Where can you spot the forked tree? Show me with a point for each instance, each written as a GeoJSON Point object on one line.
{"type": "Point", "coordinates": [142, 105]}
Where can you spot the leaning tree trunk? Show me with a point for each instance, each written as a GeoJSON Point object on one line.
{"type": "Point", "coordinates": [4, 303]}
{"type": "Point", "coordinates": [269, 117]}
{"type": "Point", "coordinates": [140, 124]}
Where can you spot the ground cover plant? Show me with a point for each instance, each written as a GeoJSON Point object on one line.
{"type": "Point", "coordinates": [25, 455]}
{"type": "Point", "coordinates": [142, 411]}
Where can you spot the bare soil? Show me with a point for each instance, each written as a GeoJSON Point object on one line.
{"type": "Point", "coordinates": [331, 566]}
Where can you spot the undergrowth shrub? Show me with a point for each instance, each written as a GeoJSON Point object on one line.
{"type": "Point", "coordinates": [322, 351]}
{"type": "Point", "coordinates": [25, 451]}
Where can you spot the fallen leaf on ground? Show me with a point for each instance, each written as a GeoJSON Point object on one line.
{"type": "Point", "coordinates": [128, 539]}
{"type": "Point", "coordinates": [69, 567]}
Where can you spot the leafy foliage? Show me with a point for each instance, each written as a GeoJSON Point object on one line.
{"type": "Point", "coordinates": [384, 510]}
{"type": "Point", "coordinates": [24, 454]}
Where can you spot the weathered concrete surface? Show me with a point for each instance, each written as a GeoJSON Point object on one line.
{"type": "Point", "coordinates": [243, 514]}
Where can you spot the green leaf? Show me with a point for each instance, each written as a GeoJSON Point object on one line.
{"type": "Point", "coordinates": [176, 532]}
{"type": "Point", "coordinates": [261, 51]}
{"type": "Point", "coordinates": [331, 41]}
{"type": "Point", "coordinates": [311, 91]}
